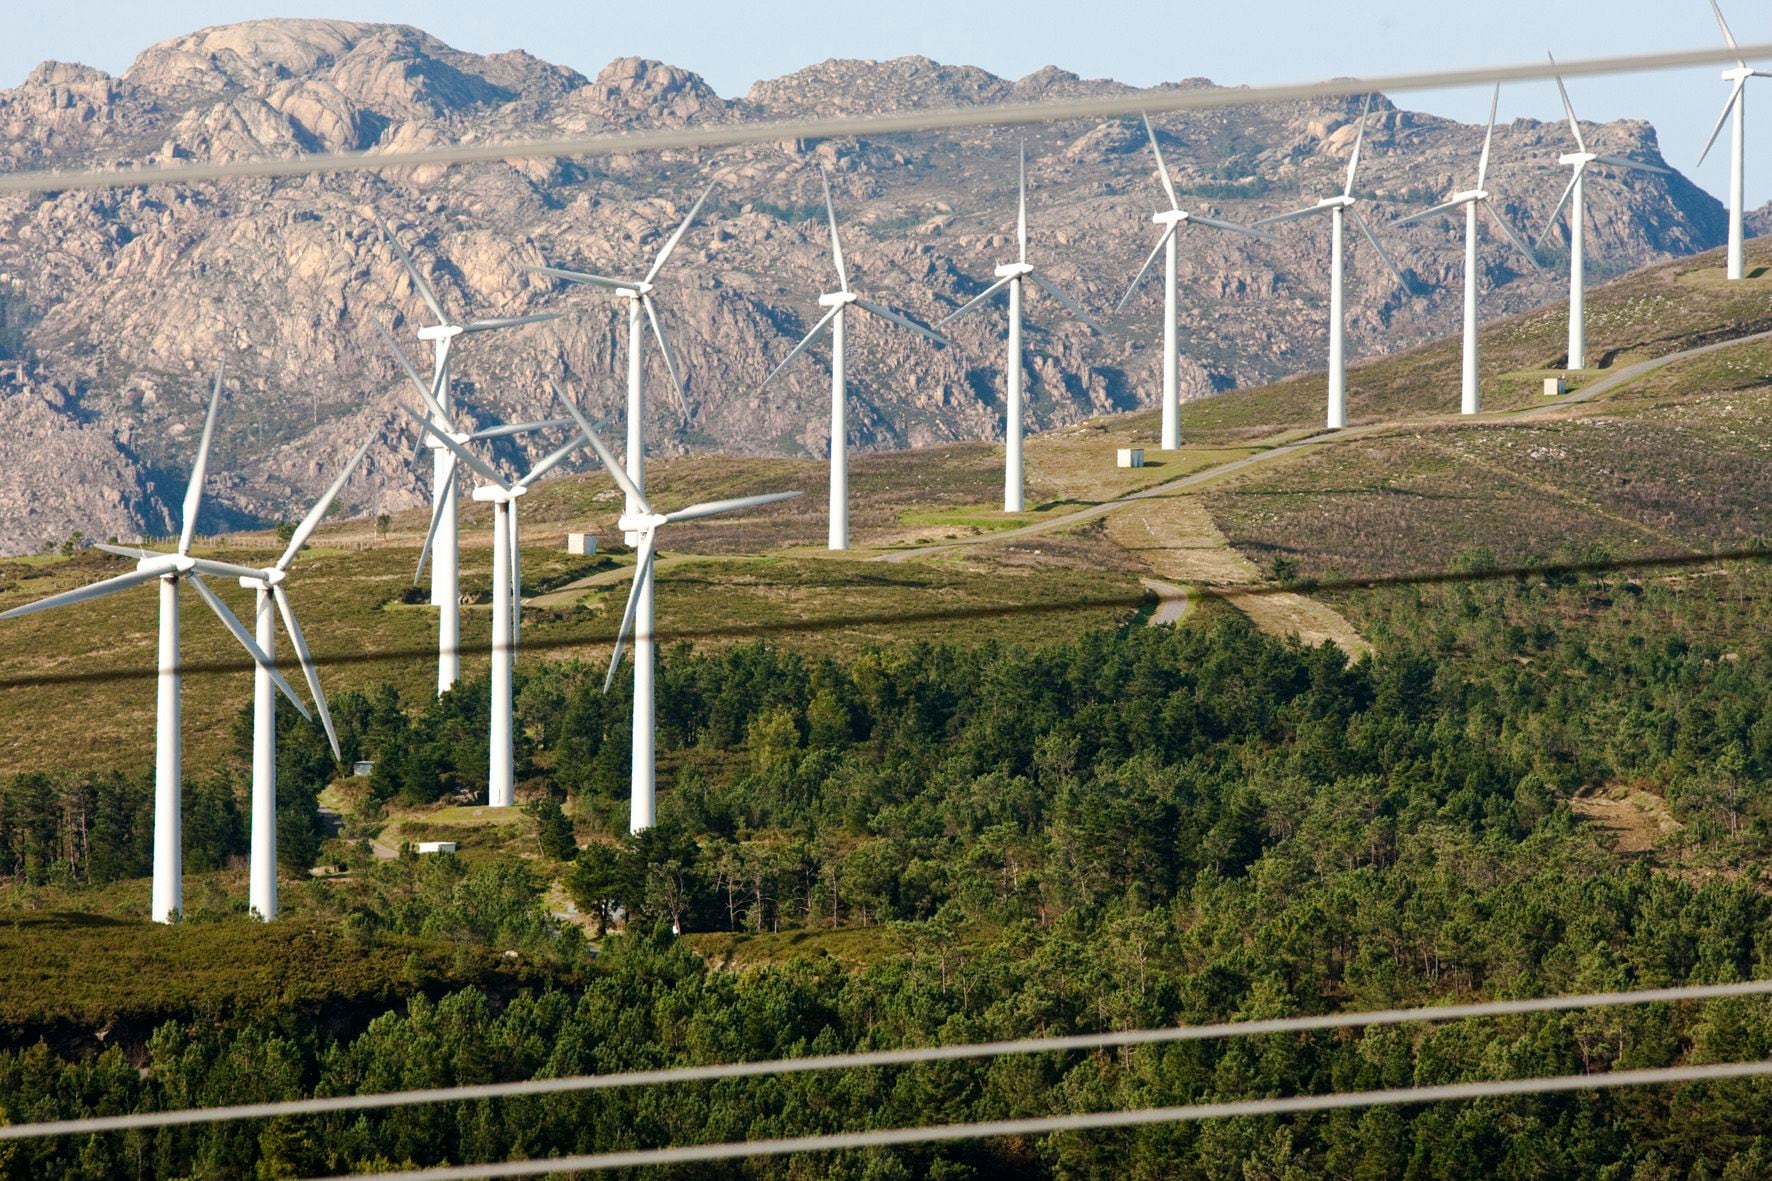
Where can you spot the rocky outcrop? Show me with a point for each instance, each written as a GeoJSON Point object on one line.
{"type": "Point", "coordinates": [124, 301]}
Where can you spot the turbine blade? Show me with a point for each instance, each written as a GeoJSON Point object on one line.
{"type": "Point", "coordinates": [581, 277]}
{"type": "Point", "coordinates": [1569, 110]}
{"type": "Point", "coordinates": [509, 322]}
{"type": "Point", "coordinates": [1021, 209]}
{"type": "Point", "coordinates": [553, 459]}
{"type": "Point", "coordinates": [96, 590]}
{"type": "Point", "coordinates": [127, 551]}
{"type": "Point", "coordinates": [805, 343]}
{"type": "Point", "coordinates": [424, 288]}
{"type": "Point", "coordinates": [1558, 211]}
{"type": "Point", "coordinates": [300, 643]}
{"type": "Point", "coordinates": [716, 507]}
{"type": "Point", "coordinates": [1162, 168]}
{"type": "Point", "coordinates": [836, 245]}
{"type": "Point", "coordinates": [664, 352]}
{"type": "Point", "coordinates": [1070, 304]}
{"type": "Point", "coordinates": [976, 300]}
{"type": "Point", "coordinates": [888, 314]}
{"type": "Point", "coordinates": [1728, 109]}
{"type": "Point", "coordinates": [259, 655]}
{"type": "Point", "coordinates": [1145, 269]}
{"type": "Point", "coordinates": [1353, 164]}
{"type": "Point", "coordinates": [194, 491]}
{"type": "Point", "coordinates": [642, 575]}
{"type": "Point", "coordinates": [1442, 207]}
{"type": "Point", "coordinates": [615, 469]}
{"type": "Point", "coordinates": [1382, 253]}
{"type": "Point", "coordinates": [1627, 162]}
{"type": "Point", "coordinates": [1488, 137]}
{"type": "Point", "coordinates": [438, 503]}
{"type": "Point", "coordinates": [312, 520]}
{"type": "Point", "coordinates": [226, 569]}
{"type": "Point", "coordinates": [1293, 216]}
{"type": "Point", "coordinates": [1234, 227]}
{"type": "Point", "coordinates": [1723, 25]}
{"type": "Point", "coordinates": [460, 452]}
{"type": "Point", "coordinates": [1508, 232]}
{"type": "Point", "coordinates": [520, 428]}
{"type": "Point", "coordinates": [671, 244]}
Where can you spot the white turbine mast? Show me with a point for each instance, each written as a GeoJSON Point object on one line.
{"type": "Point", "coordinates": [1172, 219]}
{"type": "Point", "coordinates": [1011, 276]}
{"type": "Point", "coordinates": [503, 495]}
{"type": "Point", "coordinates": [261, 898]}
{"type": "Point", "coordinates": [1573, 198]}
{"type": "Point", "coordinates": [1470, 399]}
{"type": "Point", "coordinates": [1737, 107]}
{"type": "Point", "coordinates": [644, 523]}
{"type": "Point", "coordinates": [837, 304]}
{"type": "Point", "coordinates": [442, 546]}
{"type": "Point", "coordinates": [170, 570]}
{"type": "Point", "coordinates": [1339, 208]}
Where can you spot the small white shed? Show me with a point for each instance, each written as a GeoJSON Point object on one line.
{"type": "Point", "coordinates": [362, 768]}
{"type": "Point", "coordinates": [436, 847]}
{"type": "Point", "coordinates": [1555, 387]}
{"type": "Point", "coordinates": [1131, 457]}
{"type": "Point", "coordinates": [582, 544]}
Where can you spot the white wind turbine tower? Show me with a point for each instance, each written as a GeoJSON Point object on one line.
{"type": "Point", "coordinates": [170, 570]}
{"type": "Point", "coordinates": [838, 303]}
{"type": "Point", "coordinates": [261, 897]}
{"type": "Point", "coordinates": [1736, 106]}
{"type": "Point", "coordinates": [441, 510]}
{"type": "Point", "coordinates": [1011, 276]}
{"type": "Point", "coordinates": [442, 546]}
{"type": "Point", "coordinates": [644, 523]}
{"type": "Point", "coordinates": [1172, 219]}
{"type": "Point", "coordinates": [1338, 208]}
{"type": "Point", "coordinates": [1573, 198]}
{"type": "Point", "coordinates": [1470, 399]}
{"type": "Point", "coordinates": [503, 495]}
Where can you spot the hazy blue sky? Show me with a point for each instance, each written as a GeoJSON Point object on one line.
{"type": "Point", "coordinates": [736, 42]}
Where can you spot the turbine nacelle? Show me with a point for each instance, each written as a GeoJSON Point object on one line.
{"type": "Point", "coordinates": [1339, 201]}
{"type": "Point", "coordinates": [837, 299]}
{"type": "Point", "coordinates": [1468, 196]}
{"type": "Point", "coordinates": [1577, 159]}
{"type": "Point", "coordinates": [1741, 74]}
{"type": "Point", "coordinates": [493, 494]}
{"type": "Point", "coordinates": [641, 523]}
{"type": "Point", "coordinates": [435, 332]}
{"type": "Point", "coordinates": [1013, 270]}
{"type": "Point", "coordinates": [270, 578]}
{"type": "Point", "coordinates": [1171, 217]}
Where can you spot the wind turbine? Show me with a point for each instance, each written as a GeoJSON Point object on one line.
{"type": "Point", "coordinates": [838, 303]}
{"type": "Point", "coordinates": [1172, 219]}
{"type": "Point", "coordinates": [645, 523]}
{"type": "Point", "coordinates": [444, 419]}
{"type": "Point", "coordinates": [261, 897]}
{"type": "Point", "coordinates": [446, 561]}
{"type": "Point", "coordinates": [1338, 208]}
{"type": "Point", "coordinates": [1737, 105]}
{"type": "Point", "coordinates": [1011, 276]}
{"type": "Point", "coordinates": [1573, 198]}
{"type": "Point", "coordinates": [503, 495]}
{"type": "Point", "coordinates": [170, 570]}
{"type": "Point", "coordinates": [1470, 400]}
{"type": "Point", "coordinates": [637, 294]}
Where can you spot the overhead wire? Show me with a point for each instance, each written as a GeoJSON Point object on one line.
{"type": "Point", "coordinates": [907, 1056]}
{"type": "Point", "coordinates": [725, 135]}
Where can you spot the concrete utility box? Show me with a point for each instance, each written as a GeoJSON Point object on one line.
{"type": "Point", "coordinates": [436, 846]}
{"type": "Point", "coordinates": [362, 768]}
{"type": "Point", "coordinates": [1555, 387]}
{"type": "Point", "coordinates": [1131, 456]}
{"type": "Point", "coordinates": [581, 543]}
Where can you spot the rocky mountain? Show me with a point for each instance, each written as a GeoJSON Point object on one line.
{"type": "Point", "coordinates": [116, 306]}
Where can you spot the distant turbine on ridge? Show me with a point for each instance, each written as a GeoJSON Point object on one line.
{"type": "Point", "coordinates": [170, 570]}
{"type": "Point", "coordinates": [1011, 276]}
{"type": "Point", "coordinates": [1172, 219]}
{"type": "Point", "coordinates": [442, 546]}
{"type": "Point", "coordinates": [1573, 198]}
{"type": "Point", "coordinates": [1338, 208]}
{"type": "Point", "coordinates": [838, 302]}
{"type": "Point", "coordinates": [1470, 399]}
{"type": "Point", "coordinates": [645, 523]}
{"type": "Point", "coordinates": [261, 898]}
{"type": "Point", "coordinates": [1737, 106]}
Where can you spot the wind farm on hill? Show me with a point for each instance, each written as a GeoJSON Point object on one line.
{"type": "Point", "coordinates": [1143, 726]}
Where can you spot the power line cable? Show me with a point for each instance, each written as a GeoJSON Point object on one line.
{"type": "Point", "coordinates": [703, 136]}
{"type": "Point", "coordinates": [878, 1058]}
{"type": "Point", "coordinates": [1085, 1121]}
{"type": "Point", "coordinates": [690, 634]}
